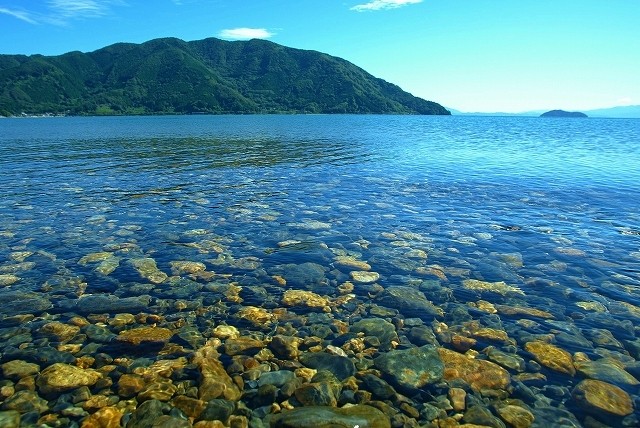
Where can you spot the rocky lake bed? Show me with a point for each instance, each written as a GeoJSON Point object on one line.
{"type": "Point", "coordinates": [281, 296]}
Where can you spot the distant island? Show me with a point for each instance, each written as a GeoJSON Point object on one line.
{"type": "Point", "coordinates": [210, 76]}
{"type": "Point", "coordinates": [562, 113]}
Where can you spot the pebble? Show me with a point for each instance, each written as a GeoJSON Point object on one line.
{"type": "Point", "coordinates": [10, 419]}
{"type": "Point", "coordinates": [316, 416]}
{"type": "Point", "coordinates": [602, 398]}
{"type": "Point", "coordinates": [551, 357]}
{"type": "Point", "coordinates": [412, 368]}
{"type": "Point", "coordinates": [364, 277]}
{"type": "Point", "coordinates": [18, 369]}
{"type": "Point", "coordinates": [60, 377]}
{"type": "Point", "coordinates": [7, 279]}
{"type": "Point", "coordinates": [304, 298]}
{"type": "Point", "coordinates": [479, 374]}
{"type": "Point", "coordinates": [499, 287]}
{"type": "Point", "coordinates": [139, 335]}
{"type": "Point", "coordinates": [515, 416]}
{"type": "Point", "coordinates": [409, 300]}
{"type": "Point", "coordinates": [341, 367]}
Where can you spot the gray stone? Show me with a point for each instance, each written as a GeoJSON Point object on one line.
{"type": "Point", "coordinates": [146, 414]}
{"type": "Point", "coordinates": [328, 417]}
{"type": "Point", "coordinates": [422, 335]}
{"type": "Point", "coordinates": [18, 303]}
{"type": "Point", "coordinates": [412, 368]}
{"type": "Point", "coordinates": [217, 410]}
{"type": "Point", "coordinates": [102, 304]}
{"type": "Point", "coordinates": [277, 378]}
{"type": "Point", "coordinates": [410, 301]}
{"type": "Point", "coordinates": [341, 367]}
{"type": "Point", "coordinates": [10, 419]}
{"type": "Point", "coordinates": [25, 401]}
{"type": "Point", "coordinates": [479, 415]}
{"type": "Point", "coordinates": [166, 421]}
{"type": "Point", "coordinates": [545, 417]}
{"type": "Point", "coordinates": [316, 394]}
{"type": "Point", "coordinates": [380, 389]}
{"type": "Point", "coordinates": [377, 327]}
{"type": "Point", "coordinates": [306, 275]}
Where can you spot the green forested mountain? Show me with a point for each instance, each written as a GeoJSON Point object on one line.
{"type": "Point", "coordinates": [205, 76]}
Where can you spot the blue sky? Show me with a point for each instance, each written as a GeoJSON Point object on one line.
{"type": "Point", "coordinates": [471, 55]}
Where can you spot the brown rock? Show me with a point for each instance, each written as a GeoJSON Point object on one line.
{"type": "Point", "coordinates": [160, 389]}
{"type": "Point", "coordinates": [215, 380]}
{"type": "Point", "coordinates": [515, 416]}
{"type": "Point", "coordinates": [242, 345]}
{"type": "Point", "coordinates": [457, 397]}
{"type": "Point", "coordinates": [551, 356]}
{"type": "Point", "coordinates": [479, 374]}
{"type": "Point", "coordinates": [95, 402]}
{"type": "Point", "coordinates": [285, 347]}
{"type": "Point", "coordinates": [61, 332]}
{"type": "Point", "coordinates": [462, 343]}
{"type": "Point", "coordinates": [304, 298]}
{"type": "Point", "coordinates": [107, 417]}
{"type": "Point", "coordinates": [602, 398]}
{"type": "Point", "coordinates": [256, 316]}
{"type": "Point", "coordinates": [17, 369]}
{"type": "Point", "coordinates": [209, 424]}
{"type": "Point", "coordinates": [136, 336]}
{"type": "Point", "coordinates": [523, 311]}
{"type": "Point", "coordinates": [190, 406]}
{"type": "Point", "coordinates": [60, 377]}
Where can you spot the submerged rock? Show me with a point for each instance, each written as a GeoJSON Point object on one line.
{"type": "Point", "coordinates": [499, 287]}
{"type": "Point", "coordinates": [148, 269]}
{"type": "Point", "coordinates": [410, 300]}
{"type": "Point", "coordinates": [8, 279]}
{"type": "Point", "coordinates": [139, 335]}
{"type": "Point", "coordinates": [101, 304]}
{"type": "Point", "coordinates": [551, 356]}
{"type": "Point", "coordinates": [377, 327]}
{"type": "Point", "coordinates": [364, 277]}
{"type": "Point", "coordinates": [352, 263]}
{"type": "Point", "coordinates": [515, 416]}
{"type": "Point", "coordinates": [17, 369]}
{"type": "Point", "coordinates": [412, 368]}
{"type": "Point", "coordinates": [62, 377]}
{"type": "Point", "coordinates": [303, 276]}
{"type": "Point", "coordinates": [603, 398]}
{"type": "Point", "coordinates": [341, 367]}
{"type": "Point", "coordinates": [328, 417]}
{"type": "Point", "coordinates": [304, 298]}
{"type": "Point", "coordinates": [216, 383]}
{"type": "Point", "coordinates": [479, 374]}
{"type": "Point", "coordinates": [605, 370]}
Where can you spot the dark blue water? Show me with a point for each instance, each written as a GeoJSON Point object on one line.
{"type": "Point", "coordinates": [551, 207]}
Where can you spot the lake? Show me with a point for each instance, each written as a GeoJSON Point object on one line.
{"type": "Point", "coordinates": [432, 270]}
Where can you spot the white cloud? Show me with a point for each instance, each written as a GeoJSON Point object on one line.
{"type": "Point", "coordinates": [383, 4]}
{"type": "Point", "coordinates": [21, 15]}
{"type": "Point", "coordinates": [79, 8]}
{"type": "Point", "coordinates": [61, 12]}
{"type": "Point", "coordinates": [245, 33]}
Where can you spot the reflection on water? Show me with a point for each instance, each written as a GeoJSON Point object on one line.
{"type": "Point", "coordinates": [132, 244]}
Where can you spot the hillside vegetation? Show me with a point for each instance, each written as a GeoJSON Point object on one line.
{"type": "Point", "coordinates": [171, 76]}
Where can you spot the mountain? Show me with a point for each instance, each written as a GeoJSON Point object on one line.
{"type": "Point", "coordinates": [562, 113]}
{"type": "Point", "coordinates": [206, 76]}
{"type": "Point", "coordinates": [617, 112]}
{"type": "Point", "coordinates": [612, 112]}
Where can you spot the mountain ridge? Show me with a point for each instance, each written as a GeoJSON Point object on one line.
{"type": "Point", "coordinates": [173, 76]}
{"type": "Point", "coordinates": [622, 112]}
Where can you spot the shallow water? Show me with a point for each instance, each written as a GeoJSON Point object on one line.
{"type": "Point", "coordinates": [544, 212]}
